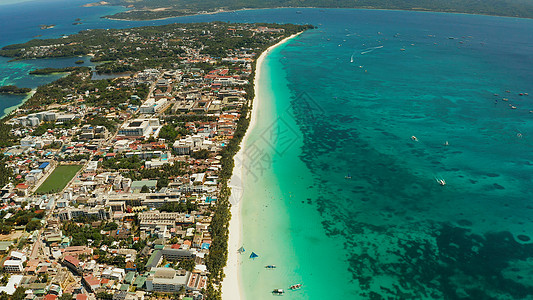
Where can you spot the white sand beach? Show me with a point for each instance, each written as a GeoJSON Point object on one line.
{"type": "Point", "coordinates": [231, 287]}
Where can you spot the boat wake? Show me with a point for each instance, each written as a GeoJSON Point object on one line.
{"type": "Point", "coordinates": [368, 50]}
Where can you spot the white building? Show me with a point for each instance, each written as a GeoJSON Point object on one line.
{"type": "Point", "coordinates": [166, 280]}
{"type": "Point", "coordinates": [15, 255]}
{"type": "Point", "coordinates": [192, 143]}
{"type": "Point", "coordinates": [140, 127]}
{"type": "Point", "coordinates": [114, 274]}
{"type": "Point", "coordinates": [151, 106]}
{"type": "Point", "coordinates": [13, 266]}
{"type": "Point", "coordinates": [12, 284]}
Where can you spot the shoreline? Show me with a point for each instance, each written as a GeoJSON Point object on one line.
{"type": "Point", "coordinates": [110, 17]}
{"type": "Point", "coordinates": [10, 110]}
{"type": "Point", "coordinates": [231, 285]}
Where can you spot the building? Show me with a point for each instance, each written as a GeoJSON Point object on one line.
{"type": "Point", "coordinates": [140, 128]}
{"type": "Point", "coordinates": [89, 132]}
{"type": "Point", "coordinates": [13, 266]}
{"type": "Point", "coordinates": [91, 283]}
{"type": "Point", "coordinates": [114, 274]}
{"type": "Point", "coordinates": [98, 212]}
{"type": "Point", "coordinates": [169, 254]}
{"type": "Point", "coordinates": [73, 264]}
{"type": "Point", "coordinates": [166, 280]}
{"type": "Point", "coordinates": [123, 295]}
{"type": "Point", "coordinates": [136, 186]}
{"type": "Point", "coordinates": [45, 166]}
{"type": "Point", "coordinates": [151, 106]}
{"type": "Point", "coordinates": [12, 284]}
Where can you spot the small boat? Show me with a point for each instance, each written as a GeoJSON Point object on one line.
{"type": "Point", "coordinates": [446, 143]}
{"type": "Point", "coordinates": [505, 99]}
{"type": "Point", "coordinates": [440, 181]}
{"type": "Point", "coordinates": [270, 267]}
{"type": "Point", "coordinates": [278, 292]}
{"type": "Point", "coordinates": [414, 138]}
{"type": "Point", "coordinates": [402, 49]}
{"type": "Point", "coordinates": [241, 250]}
{"type": "Point", "coordinates": [348, 176]}
{"type": "Point", "coordinates": [296, 286]}
{"type": "Point", "coordinates": [253, 255]}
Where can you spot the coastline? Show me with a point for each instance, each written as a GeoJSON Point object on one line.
{"type": "Point", "coordinates": [231, 285]}
{"type": "Point", "coordinates": [422, 10]}
{"type": "Point", "coordinates": [9, 110]}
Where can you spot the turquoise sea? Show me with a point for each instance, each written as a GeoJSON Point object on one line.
{"type": "Point", "coordinates": [345, 100]}
{"type": "Point", "coordinates": [362, 214]}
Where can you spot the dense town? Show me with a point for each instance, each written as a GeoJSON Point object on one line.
{"type": "Point", "coordinates": [115, 188]}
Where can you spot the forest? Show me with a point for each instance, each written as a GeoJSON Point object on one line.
{"type": "Point", "coordinates": [13, 89]}
{"type": "Point", "coordinates": [48, 71]}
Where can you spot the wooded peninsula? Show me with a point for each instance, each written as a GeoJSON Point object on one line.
{"type": "Point", "coordinates": [13, 89]}
{"type": "Point", "coordinates": [158, 9]}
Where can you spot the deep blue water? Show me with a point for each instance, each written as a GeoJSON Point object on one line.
{"type": "Point", "coordinates": [362, 85]}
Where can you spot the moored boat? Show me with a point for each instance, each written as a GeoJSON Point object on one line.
{"type": "Point", "coordinates": [278, 292]}
{"type": "Point", "coordinates": [296, 286]}
{"type": "Point", "coordinates": [270, 267]}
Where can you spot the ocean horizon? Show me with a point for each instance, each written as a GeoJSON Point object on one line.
{"type": "Point", "coordinates": [358, 120]}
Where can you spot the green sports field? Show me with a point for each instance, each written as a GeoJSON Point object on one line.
{"type": "Point", "coordinates": [58, 179]}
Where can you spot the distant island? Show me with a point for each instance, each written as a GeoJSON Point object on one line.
{"type": "Point", "coordinates": [14, 90]}
{"type": "Point", "coordinates": [47, 26]}
{"type": "Point", "coordinates": [96, 4]}
{"type": "Point", "coordinates": [150, 10]}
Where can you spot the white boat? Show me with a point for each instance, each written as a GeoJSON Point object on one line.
{"type": "Point", "coordinates": [278, 292]}
{"type": "Point", "coordinates": [440, 181]}
{"type": "Point", "coordinates": [414, 138]}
